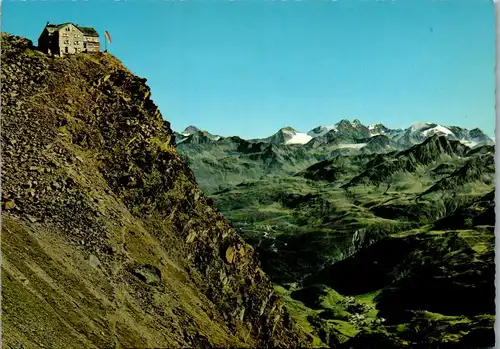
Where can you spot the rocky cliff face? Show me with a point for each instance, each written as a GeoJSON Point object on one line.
{"type": "Point", "coordinates": [107, 240]}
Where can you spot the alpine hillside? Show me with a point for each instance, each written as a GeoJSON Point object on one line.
{"type": "Point", "coordinates": [107, 240]}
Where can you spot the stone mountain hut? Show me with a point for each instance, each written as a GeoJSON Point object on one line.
{"type": "Point", "coordinates": [68, 38]}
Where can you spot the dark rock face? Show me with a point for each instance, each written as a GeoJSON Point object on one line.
{"type": "Point", "coordinates": [481, 212]}
{"type": "Point", "coordinates": [419, 273]}
{"type": "Point", "coordinates": [100, 211]}
{"type": "Point", "coordinates": [372, 268]}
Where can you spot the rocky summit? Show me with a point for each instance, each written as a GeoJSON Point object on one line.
{"type": "Point", "coordinates": [107, 240]}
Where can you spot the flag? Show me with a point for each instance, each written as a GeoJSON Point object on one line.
{"type": "Point", "coordinates": [107, 35]}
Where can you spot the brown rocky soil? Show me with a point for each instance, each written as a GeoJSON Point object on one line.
{"type": "Point", "coordinates": [107, 240]}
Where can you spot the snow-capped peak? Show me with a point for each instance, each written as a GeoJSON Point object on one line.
{"type": "Point", "coordinates": [377, 129]}
{"type": "Point", "coordinates": [437, 129]}
{"type": "Point", "coordinates": [375, 126]}
{"type": "Point", "coordinates": [419, 125]}
{"type": "Point", "coordinates": [353, 134]}
{"type": "Point", "coordinates": [288, 135]}
{"type": "Point", "coordinates": [427, 129]}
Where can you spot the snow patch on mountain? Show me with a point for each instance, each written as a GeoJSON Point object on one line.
{"type": "Point", "coordinates": [437, 129]}
{"type": "Point", "coordinates": [377, 129]}
{"type": "Point", "coordinates": [299, 138]}
{"type": "Point", "coordinates": [352, 146]}
{"type": "Point", "coordinates": [470, 144]}
{"type": "Point", "coordinates": [419, 125]}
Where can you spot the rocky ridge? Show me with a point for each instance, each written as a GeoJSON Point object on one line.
{"type": "Point", "coordinates": [355, 135]}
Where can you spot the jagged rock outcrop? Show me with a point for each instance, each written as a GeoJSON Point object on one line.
{"type": "Point", "coordinates": [107, 240]}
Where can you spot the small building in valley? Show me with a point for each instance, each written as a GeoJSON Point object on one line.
{"type": "Point", "coordinates": [68, 38]}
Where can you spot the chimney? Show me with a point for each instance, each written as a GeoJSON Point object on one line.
{"type": "Point", "coordinates": [47, 23]}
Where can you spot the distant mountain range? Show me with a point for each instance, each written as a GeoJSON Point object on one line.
{"type": "Point", "coordinates": [374, 237]}
{"type": "Point", "coordinates": [220, 162]}
{"type": "Point", "coordinates": [353, 135]}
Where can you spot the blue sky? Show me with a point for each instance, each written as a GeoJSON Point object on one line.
{"type": "Point", "coordinates": [250, 67]}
